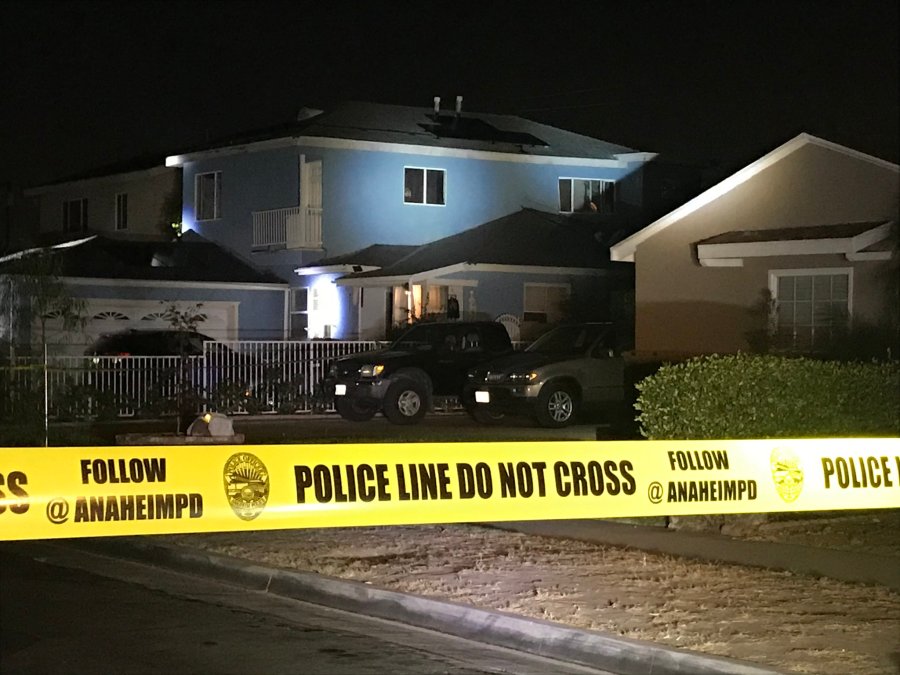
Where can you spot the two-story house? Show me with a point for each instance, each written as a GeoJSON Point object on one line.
{"type": "Point", "coordinates": [111, 234]}
{"type": "Point", "coordinates": [360, 187]}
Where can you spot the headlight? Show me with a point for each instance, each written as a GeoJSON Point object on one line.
{"type": "Point", "coordinates": [530, 376]}
{"type": "Point", "coordinates": [333, 371]}
{"type": "Point", "coordinates": [371, 370]}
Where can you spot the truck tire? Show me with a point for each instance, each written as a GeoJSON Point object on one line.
{"type": "Point", "coordinates": [406, 402]}
{"type": "Point", "coordinates": [557, 406]}
{"type": "Point", "coordinates": [485, 415]}
{"type": "Point", "coordinates": [353, 410]}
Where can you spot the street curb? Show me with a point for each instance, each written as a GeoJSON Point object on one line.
{"type": "Point", "coordinates": [534, 636]}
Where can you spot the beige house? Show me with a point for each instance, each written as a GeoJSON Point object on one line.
{"type": "Point", "coordinates": [795, 246]}
{"type": "Point", "coordinates": [134, 202]}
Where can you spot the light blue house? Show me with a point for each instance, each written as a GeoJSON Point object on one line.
{"type": "Point", "coordinates": [356, 189]}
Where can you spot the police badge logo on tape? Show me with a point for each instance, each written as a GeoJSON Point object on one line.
{"type": "Point", "coordinates": [246, 485]}
{"type": "Point", "coordinates": [786, 474]}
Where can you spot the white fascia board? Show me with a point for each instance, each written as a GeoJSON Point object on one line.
{"type": "Point", "coordinates": [624, 250]}
{"type": "Point", "coordinates": [374, 282]}
{"type": "Point", "coordinates": [430, 275]}
{"type": "Point", "coordinates": [398, 148]}
{"type": "Point", "coordinates": [869, 237]}
{"type": "Point", "coordinates": [146, 283]}
{"type": "Point", "coordinates": [333, 269]}
{"type": "Point", "coordinates": [721, 262]}
{"type": "Point", "coordinates": [97, 180]}
{"type": "Point", "coordinates": [506, 269]}
{"type": "Point", "coordinates": [869, 256]}
{"type": "Point", "coordinates": [31, 251]}
{"type": "Point", "coordinates": [767, 249]}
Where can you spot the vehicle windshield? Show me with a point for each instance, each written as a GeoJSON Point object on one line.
{"type": "Point", "coordinates": [417, 337]}
{"type": "Point", "coordinates": [568, 339]}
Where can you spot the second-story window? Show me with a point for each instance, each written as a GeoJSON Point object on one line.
{"type": "Point", "coordinates": [585, 195]}
{"type": "Point", "coordinates": [424, 186]}
{"type": "Point", "coordinates": [75, 215]}
{"type": "Point", "coordinates": [208, 190]}
{"type": "Point", "coordinates": [122, 211]}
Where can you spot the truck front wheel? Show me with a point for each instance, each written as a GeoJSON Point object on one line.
{"type": "Point", "coordinates": [406, 402]}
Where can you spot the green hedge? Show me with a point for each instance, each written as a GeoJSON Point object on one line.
{"type": "Point", "coordinates": [746, 396]}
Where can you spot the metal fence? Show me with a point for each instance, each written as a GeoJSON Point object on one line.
{"type": "Point", "coordinates": [240, 376]}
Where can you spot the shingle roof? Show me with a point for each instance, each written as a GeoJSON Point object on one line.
{"type": "Point", "coordinates": [525, 238]}
{"type": "Point", "coordinates": [385, 123]}
{"type": "Point", "coordinates": [193, 258]}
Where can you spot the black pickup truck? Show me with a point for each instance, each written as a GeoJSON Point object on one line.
{"type": "Point", "coordinates": [401, 381]}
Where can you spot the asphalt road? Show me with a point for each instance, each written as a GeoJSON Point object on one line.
{"type": "Point", "coordinates": [65, 610]}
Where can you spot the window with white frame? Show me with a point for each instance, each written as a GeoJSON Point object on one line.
{"type": "Point", "coordinates": [299, 318]}
{"type": "Point", "coordinates": [75, 215]}
{"type": "Point", "coordinates": [544, 302]}
{"type": "Point", "coordinates": [207, 195]}
{"type": "Point", "coordinates": [423, 186]}
{"type": "Point", "coordinates": [811, 306]}
{"type": "Point", "coordinates": [586, 195]}
{"type": "Point", "coordinates": [122, 211]}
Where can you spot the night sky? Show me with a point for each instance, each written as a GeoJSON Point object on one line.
{"type": "Point", "coordinates": [721, 83]}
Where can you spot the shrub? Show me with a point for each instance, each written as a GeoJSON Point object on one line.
{"type": "Point", "coordinates": [746, 396]}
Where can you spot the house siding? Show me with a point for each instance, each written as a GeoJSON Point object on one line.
{"type": "Point", "coordinates": [150, 195]}
{"type": "Point", "coordinates": [684, 309]}
{"type": "Point", "coordinates": [362, 195]}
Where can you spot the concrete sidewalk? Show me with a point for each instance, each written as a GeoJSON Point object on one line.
{"type": "Point", "coordinates": [858, 567]}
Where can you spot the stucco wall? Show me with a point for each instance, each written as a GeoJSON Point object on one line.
{"type": "Point", "coordinates": [149, 194]}
{"type": "Point", "coordinates": [683, 308]}
{"type": "Point", "coordinates": [362, 193]}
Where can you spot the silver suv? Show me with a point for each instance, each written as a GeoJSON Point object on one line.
{"type": "Point", "coordinates": [568, 369]}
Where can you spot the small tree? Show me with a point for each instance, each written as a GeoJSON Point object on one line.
{"type": "Point", "coordinates": [184, 322]}
{"type": "Point", "coordinates": [32, 290]}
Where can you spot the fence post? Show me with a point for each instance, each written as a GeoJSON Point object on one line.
{"type": "Point", "coordinates": [46, 401]}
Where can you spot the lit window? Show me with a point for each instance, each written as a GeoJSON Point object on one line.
{"type": "Point", "coordinates": [544, 302]}
{"type": "Point", "coordinates": [208, 189]}
{"type": "Point", "coordinates": [75, 215]}
{"type": "Point", "coordinates": [122, 211]}
{"type": "Point", "coordinates": [424, 186]}
{"type": "Point", "coordinates": [811, 306]}
{"type": "Point", "coordinates": [299, 317]}
{"type": "Point", "coordinates": [583, 195]}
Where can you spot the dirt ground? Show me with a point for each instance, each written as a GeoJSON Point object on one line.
{"type": "Point", "coordinates": [790, 622]}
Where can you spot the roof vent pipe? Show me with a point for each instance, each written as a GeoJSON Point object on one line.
{"type": "Point", "coordinates": [458, 105]}
{"type": "Point", "coordinates": [437, 104]}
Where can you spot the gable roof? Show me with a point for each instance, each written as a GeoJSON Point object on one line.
{"type": "Point", "coordinates": [192, 258]}
{"type": "Point", "coordinates": [421, 127]}
{"type": "Point", "coordinates": [624, 250]}
{"type": "Point", "coordinates": [525, 239]}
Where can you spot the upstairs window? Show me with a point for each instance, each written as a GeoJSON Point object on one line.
{"type": "Point", "coordinates": [585, 195]}
{"type": "Point", "coordinates": [811, 307]}
{"type": "Point", "coordinates": [207, 198]}
{"type": "Point", "coordinates": [122, 211]}
{"type": "Point", "coordinates": [424, 186]}
{"type": "Point", "coordinates": [75, 215]}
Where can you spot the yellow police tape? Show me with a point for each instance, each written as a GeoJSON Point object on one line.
{"type": "Point", "coordinates": [108, 491]}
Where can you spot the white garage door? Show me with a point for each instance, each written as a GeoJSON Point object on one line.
{"type": "Point", "coordinates": [220, 320]}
